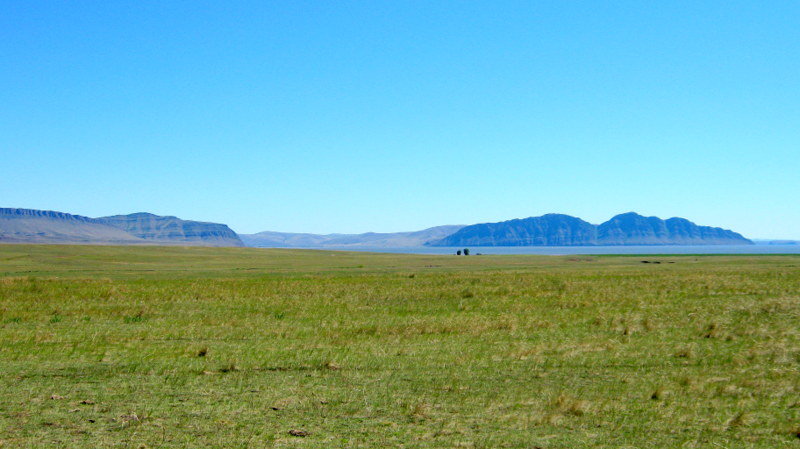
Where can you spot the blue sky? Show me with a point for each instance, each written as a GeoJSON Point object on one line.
{"type": "Point", "coordinates": [400, 115]}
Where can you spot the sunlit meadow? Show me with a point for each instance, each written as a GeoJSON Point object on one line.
{"type": "Point", "coordinates": [196, 347]}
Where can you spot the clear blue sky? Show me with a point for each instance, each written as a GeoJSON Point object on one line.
{"type": "Point", "coordinates": [398, 115]}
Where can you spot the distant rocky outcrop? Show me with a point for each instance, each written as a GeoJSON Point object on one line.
{"type": "Point", "coordinates": [39, 226]}
{"type": "Point", "coordinates": [564, 230]}
{"type": "Point", "coordinates": [270, 239]}
{"type": "Point", "coordinates": [168, 229]}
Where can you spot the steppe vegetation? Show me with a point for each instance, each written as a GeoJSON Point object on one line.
{"type": "Point", "coordinates": [164, 347]}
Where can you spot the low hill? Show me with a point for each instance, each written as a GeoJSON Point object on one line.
{"type": "Point", "coordinates": [270, 239]}
{"type": "Point", "coordinates": [564, 230]}
{"type": "Point", "coordinates": [776, 242]}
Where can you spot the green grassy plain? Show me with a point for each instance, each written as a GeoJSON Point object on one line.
{"type": "Point", "coordinates": [162, 347]}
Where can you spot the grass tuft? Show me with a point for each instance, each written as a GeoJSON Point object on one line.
{"type": "Point", "coordinates": [659, 394]}
{"type": "Point", "coordinates": [569, 405]}
{"type": "Point", "coordinates": [137, 318]}
{"type": "Point", "coordinates": [741, 419]}
{"type": "Point", "coordinates": [229, 368]}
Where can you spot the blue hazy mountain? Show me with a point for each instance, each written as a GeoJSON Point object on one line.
{"type": "Point", "coordinates": [547, 230]}
{"type": "Point", "coordinates": [634, 229]}
{"type": "Point", "coordinates": [37, 226]}
{"type": "Point", "coordinates": [564, 230]}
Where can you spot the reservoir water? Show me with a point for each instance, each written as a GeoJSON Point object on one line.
{"type": "Point", "coordinates": [578, 250]}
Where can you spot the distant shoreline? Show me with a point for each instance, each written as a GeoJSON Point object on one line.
{"type": "Point", "coordinates": [573, 250]}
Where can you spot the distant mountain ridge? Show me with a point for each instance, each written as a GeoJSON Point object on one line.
{"type": "Point", "coordinates": [634, 229]}
{"type": "Point", "coordinates": [547, 230]}
{"type": "Point", "coordinates": [564, 230]}
{"type": "Point", "coordinates": [158, 228]}
{"type": "Point", "coordinates": [39, 226]}
{"type": "Point", "coordinates": [270, 239]}
{"type": "Point", "coordinates": [142, 228]}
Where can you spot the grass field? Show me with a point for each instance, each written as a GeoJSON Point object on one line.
{"type": "Point", "coordinates": [238, 348]}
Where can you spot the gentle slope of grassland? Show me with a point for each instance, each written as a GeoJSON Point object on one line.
{"type": "Point", "coordinates": [196, 347]}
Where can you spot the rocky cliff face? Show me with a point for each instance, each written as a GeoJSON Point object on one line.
{"type": "Point", "coordinates": [564, 230]}
{"type": "Point", "coordinates": [172, 229]}
{"type": "Point", "coordinates": [39, 226]}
